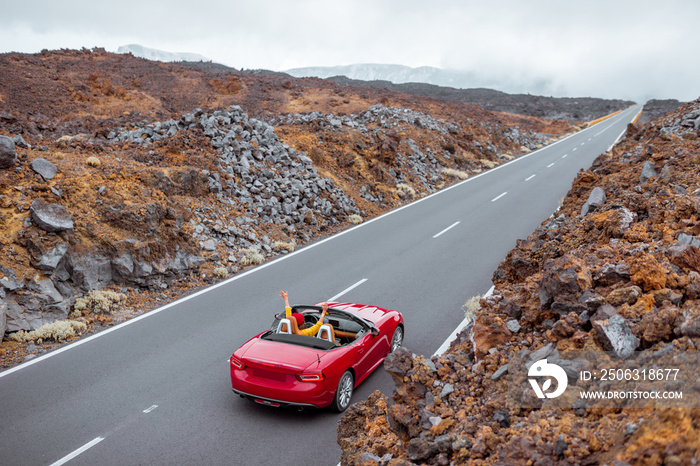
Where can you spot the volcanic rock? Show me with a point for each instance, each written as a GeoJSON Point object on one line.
{"type": "Point", "coordinates": [615, 335]}
{"type": "Point", "coordinates": [690, 325]}
{"type": "Point", "coordinates": [8, 154]}
{"type": "Point", "coordinates": [648, 171]}
{"type": "Point", "coordinates": [563, 281]}
{"type": "Point", "coordinates": [627, 295]}
{"type": "Point", "coordinates": [41, 303]}
{"type": "Point", "coordinates": [49, 260]}
{"type": "Point", "coordinates": [8, 280]}
{"type": "Point", "coordinates": [3, 316]}
{"type": "Point", "coordinates": [595, 199]}
{"type": "Point", "coordinates": [43, 167]}
{"type": "Point", "coordinates": [51, 217]}
{"type": "Point", "coordinates": [488, 332]}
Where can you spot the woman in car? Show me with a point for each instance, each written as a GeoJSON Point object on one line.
{"type": "Point", "coordinates": [309, 332]}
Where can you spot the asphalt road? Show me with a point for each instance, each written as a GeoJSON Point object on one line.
{"type": "Point", "coordinates": [157, 390]}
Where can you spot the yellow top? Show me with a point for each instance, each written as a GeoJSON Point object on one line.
{"type": "Point", "coordinates": [309, 332]}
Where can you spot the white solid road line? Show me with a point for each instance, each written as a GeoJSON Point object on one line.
{"type": "Point", "coordinates": [446, 345]}
{"type": "Point", "coordinates": [347, 289]}
{"type": "Point", "coordinates": [447, 229]}
{"type": "Point", "coordinates": [616, 140]}
{"type": "Point", "coordinates": [80, 450]}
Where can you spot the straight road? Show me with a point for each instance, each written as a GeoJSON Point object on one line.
{"type": "Point", "coordinates": [156, 390]}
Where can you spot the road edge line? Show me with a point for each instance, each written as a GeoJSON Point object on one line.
{"type": "Point", "coordinates": [453, 336]}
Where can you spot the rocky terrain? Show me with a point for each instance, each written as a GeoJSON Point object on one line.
{"type": "Point", "coordinates": [616, 270]}
{"type": "Point", "coordinates": [656, 108]}
{"type": "Point", "coordinates": [580, 108]}
{"type": "Point", "coordinates": [125, 183]}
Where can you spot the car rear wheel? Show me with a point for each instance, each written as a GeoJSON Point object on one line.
{"type": "Point", "coordinates": [344, 392]}
{"type": "Point", "coordinates": [397, 339]}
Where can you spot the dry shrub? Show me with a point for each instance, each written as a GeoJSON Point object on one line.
{"type": "Point", "coordinates": [57, 331]}
{"type": "Point", "coordinates": [283, 246]}
{"type": "Point", "coordinates": [355, 219]}
{"type": "Point", "coordinates": [488, 163]}
{"type": "Point", "coordinates": [404, 190]}
{"type": "Point", "coordinates": [99, 301]}
{"type": "Point", "coordinates": [455, 173]}
{"type": "Point", "coordinates": [251, 257]}
{"type": "Point", "coordinates": [471, 306]}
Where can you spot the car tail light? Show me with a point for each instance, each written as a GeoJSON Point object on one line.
{"type": "Point", "coordinates": [311, 377]}
{"type": "Point", "coordinates": [235, 362]}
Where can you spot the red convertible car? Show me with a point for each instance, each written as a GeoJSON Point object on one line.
{"type": "Point", "coordinates": [282, 368]}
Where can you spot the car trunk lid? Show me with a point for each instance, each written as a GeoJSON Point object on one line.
{"type": "Point", "coordinates": [275, 360]}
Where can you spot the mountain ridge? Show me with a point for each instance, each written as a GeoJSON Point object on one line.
{"type": "Point", "coordinates": [160, 55]}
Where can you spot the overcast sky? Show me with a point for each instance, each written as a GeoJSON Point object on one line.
{"type": "Point", "coordinates": [602, 48]}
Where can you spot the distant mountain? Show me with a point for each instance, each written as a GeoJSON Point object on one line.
{"type": "Point", "coordinates": [159, 55]}
{"type": "Point", "coordinates": [399, 74]}
{"type": "Point", "coordinates": [394, 73]}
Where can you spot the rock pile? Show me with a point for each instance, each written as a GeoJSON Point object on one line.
{"type": "Point", "coordinates": [616, 269]}
{"type": "Point", "coordinates": [273, 182]}
{"type": "Point", "coordinates": [407, 147]}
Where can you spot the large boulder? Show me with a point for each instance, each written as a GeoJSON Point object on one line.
{"type": "Point", "coordinates": [39, 304]}
{"type": "Point", "coordinates": [8, 154]}
{"type": "Point", "coordinates": [50, 217]}
{"type": "Point", "coordinates": [89, 271]}
{"type": "Point", "coordinates": [49, 260]}
{"type": "Point", "coordinates": [21, 317]}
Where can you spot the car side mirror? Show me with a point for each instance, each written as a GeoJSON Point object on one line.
{"type": "Point", "coordinates": [374, 331]}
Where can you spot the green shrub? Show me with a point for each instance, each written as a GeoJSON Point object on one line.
{"type": "Point", "coordinates": [221, 272]}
